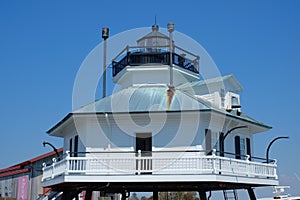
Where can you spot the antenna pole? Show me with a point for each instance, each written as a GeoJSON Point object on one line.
{"type": "Point", "coordinates": [105, 33]}
{"type": "Point", "coordinates": [171, 29]}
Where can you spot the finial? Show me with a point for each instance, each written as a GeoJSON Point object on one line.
{"type": "Point", "coordinates": [155, 26]}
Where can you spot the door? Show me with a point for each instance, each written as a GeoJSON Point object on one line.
{"type": "Point", "coordinates": [144, 143]}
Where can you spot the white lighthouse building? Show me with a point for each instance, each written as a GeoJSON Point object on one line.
{"type": "Point", "coordinates": [165, 130]}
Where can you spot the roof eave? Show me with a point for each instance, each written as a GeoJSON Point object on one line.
{"type": "Point", "coordinates": [52, 130]}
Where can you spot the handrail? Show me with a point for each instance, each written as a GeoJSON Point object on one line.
{"type": "Point", "coordinates": [142, 58]}
{"type": "Point", "coordinates": [157, 162]}
{"type": "Point", "coordinates": [168, 151]}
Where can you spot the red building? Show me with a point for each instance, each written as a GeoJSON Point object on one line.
{"type": "Point", "coordinates": [23, 180]}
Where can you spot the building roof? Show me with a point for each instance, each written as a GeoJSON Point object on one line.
{"type": "Point", "coordinates": [24, 167]}
{"type": "Point", "coordinates": [157, 98]}
{"type": "Point", "coordinates": [144, 99]}
{"type": "Point", "coordinates": [154, 34]}
{"type": "Point", "coordinates": [154, 98]}
{"type": "Point", "coordinates": [229, 81]}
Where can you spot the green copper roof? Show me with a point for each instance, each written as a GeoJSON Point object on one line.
{"type": "Point", "coordinates": [145, 99]}
{"type": "Point", "coordinates": [155, 98]}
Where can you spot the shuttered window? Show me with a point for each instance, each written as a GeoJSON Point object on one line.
{"type": "Point", "coordinates": [237, 142]}
{"type": "Point", "coordinates": [221, 144]}
{"type": "Point", "coordinates": [70, 146]}
{"type": "Point", "coordinates": [76, 146]}
{"type": "Point", "coordinates": [248, 144]}
{"type": "Point", "coordinates": [208, 146]}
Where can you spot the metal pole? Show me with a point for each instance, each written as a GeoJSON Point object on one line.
{"type": "Point", "coordinates": [55, 150]}
{"type": "Point", "coordinates": [226, 134]}
{"type": "Point", "coordinates": [270, 144]}
{"type": "Point", "coordinates": [171, 29]}
{"type": "Point", "coordinates": [105, 33]}
{"type": "Point", "coordinates": [251, 194]}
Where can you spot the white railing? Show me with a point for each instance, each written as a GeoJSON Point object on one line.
{"type": "Point", "coordinates": [157, 163]}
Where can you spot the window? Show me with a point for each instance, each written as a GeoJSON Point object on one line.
{"type": "Point", "coordinates": [242, 147]}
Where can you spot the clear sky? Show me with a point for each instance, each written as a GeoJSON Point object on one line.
{"type": "Point", "coordinates": [43, 43]}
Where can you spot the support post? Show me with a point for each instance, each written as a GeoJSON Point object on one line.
{"type": "Point", "coordinates": [88, 194]}
{"type": "Point", "coordinates": [123, 195]}
{"type": "Point", "coordinates": [251, 194]}
{"type": "Point", "coordinates": [155, 195]}
{"type": "Point", "coordinates": [202, 195]}
{"type": "Point", "coordinates": [139, 162]}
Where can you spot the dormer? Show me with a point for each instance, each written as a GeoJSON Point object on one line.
{"type": "Point", "coordinates": [150, 62]}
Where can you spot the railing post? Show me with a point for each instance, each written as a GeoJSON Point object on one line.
{"type": "Point", "coordinates": [214, 161]}
{"type": "Point", "coordinates": [53, 167]}
{"type": "Point", "coordinates": [43, 169]}
{"type": "Point", "coordinates": [67, 162]}
{"type": "Point", "coordinates": [139, 161]}
{"type": "Point", "coordinates": [248, 168]}
{"type": "Point", "coordinates": [275, 169]}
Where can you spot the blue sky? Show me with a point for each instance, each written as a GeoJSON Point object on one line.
{"type": "Point", "coordinates": [43, 43]}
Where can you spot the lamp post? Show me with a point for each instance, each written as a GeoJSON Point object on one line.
{"type": "Point", "coordinates": [222, 139]}
{"type": "Point", "coordinates": [54, 149]}
{"type": "Point", "coordinates": [170, 30]}
{"type": "Point", "coordinates": [270, 144]}
{"type": "Point", "coordinates": [105, 34]}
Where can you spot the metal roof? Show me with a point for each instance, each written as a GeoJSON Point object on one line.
{"type": "Point", "coordinates": [153, 34]}
{"type": "Point", "coordinates": [221, 81]}
{"type": "Point", "coordinates": [155, 98]}
{"type": "Point", "coordinates": [145, 99]}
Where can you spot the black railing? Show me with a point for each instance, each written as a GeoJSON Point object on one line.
{"type": "Point", "coordinates": [145, 58]}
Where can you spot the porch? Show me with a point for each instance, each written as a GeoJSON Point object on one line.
{"type": "Point", "coordinates": [157, 166]}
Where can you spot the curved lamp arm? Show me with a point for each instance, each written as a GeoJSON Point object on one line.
{"type": "Point", "coordinates": [270, 144]}
{"type": "Point", "coordinates": [57, 154]}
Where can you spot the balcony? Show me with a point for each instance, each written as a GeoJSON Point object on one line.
{"type": "Point", "coordinates": [157, 166]}
{"type": "Point", "coordinates": [136, 56]}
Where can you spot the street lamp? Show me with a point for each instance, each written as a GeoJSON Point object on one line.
{"type": "Point", "coordinates": [222, 139]}
{"type": "Point", "coordinates": [54, 149]}
{"type": "Point", "coordinates": [270, 144]}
